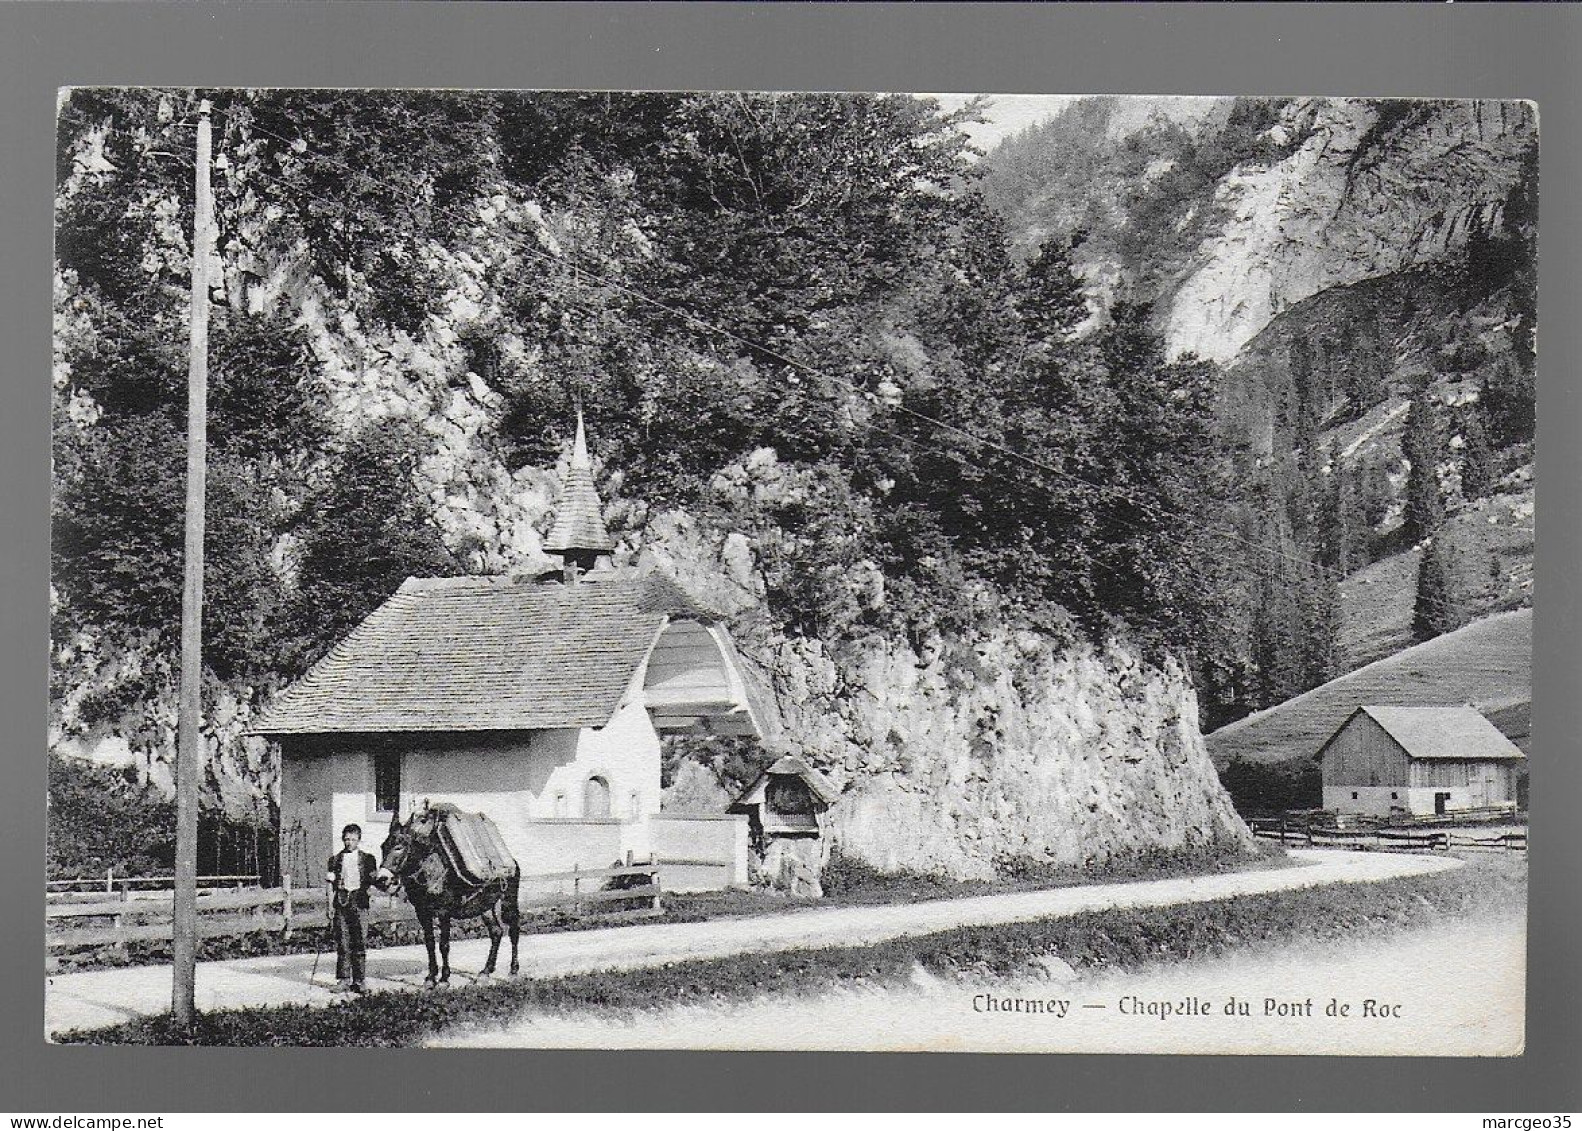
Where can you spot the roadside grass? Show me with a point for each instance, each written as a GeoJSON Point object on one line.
{"type": "Point", "coordinates": [847, 882]}
{"type": "Point", "coordinates": [1120, 938]}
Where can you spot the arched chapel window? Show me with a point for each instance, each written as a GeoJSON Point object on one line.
{"type": "Point", "coordinates": [596, 798]}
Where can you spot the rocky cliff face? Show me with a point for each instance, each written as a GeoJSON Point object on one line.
{"type": "Point", "coordinates": [954, 756]}
{"type": "Point", "coordinates": [1372, 189]}
{"type": "Point", "coordinates": [1225, 213]}
{"type": "Point", "coordinates": [1005, 748]}
{"type": "Point", "coordinates": [959, 755]}
{"type": "Point", "coordinates": [240, 773]}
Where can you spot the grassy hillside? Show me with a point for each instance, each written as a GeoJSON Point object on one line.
{"type": "Point", "coordinates": [1491, 565]}
{"type": "Point", "coordinates": [1488, 664]}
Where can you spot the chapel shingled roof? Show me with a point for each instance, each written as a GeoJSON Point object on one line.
{"type": "Point", "coordinates": [485, 653]}
{"type": "Point", "coordinates": [1459, 733]}
{"type": "Point", "coordinates": [579, 521]}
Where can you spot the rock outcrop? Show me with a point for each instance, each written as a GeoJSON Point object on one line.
{"type": "Point", "coordinates": [969, 754]}
{"type": "Point", "coordinates": [1007, 748]}
{"type": "Point", "coordinates": [1224, 221]}
{"type": "Point", "coordinates": [1362, 196]}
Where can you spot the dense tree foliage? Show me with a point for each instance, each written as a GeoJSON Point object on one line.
{"type": "Point", "coordinates": [1295, 634]}
{"type": "Point", "coordinates": [811, 274]}
{"type": "Point", "coordinates": [1434, 610]}
{"type": "Point", "coordinates": [1423, 445]}
{"type": "Point", "coordinates": [359, 536]}
{"type": "Point", "coordinates": [1510, 403]}
{"type": "Point", "coordinates": [101, 820]}
{"type": "Point", "coordinates": [1478, 471]}
{"type": "Point", "coordinates": [1264, 789]}
{"type": "Point", "coordinates": [124, 216]}
{"type": "Point", "coordinates": [96, 813]}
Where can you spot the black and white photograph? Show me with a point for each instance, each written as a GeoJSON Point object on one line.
{"type": "Point", "coordinates": [753, 570]}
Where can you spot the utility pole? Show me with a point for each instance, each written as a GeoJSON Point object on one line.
{"type": "Point", "coordinates": [189, 740]}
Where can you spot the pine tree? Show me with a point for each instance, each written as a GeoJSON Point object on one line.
{"type": "Point", "coordinates": [1367, 377]}
{"type": "Point", "coordinates": [1509, 402]}
{"type": "Point", "coordinates": [1295, 639]}
{"type": "Point", "coordinates": [1278, 674]}
{"type": "Point", "coordinates": [1363, 389]}
{"type": "Point", "coordinates": [1164, 480]}
{"type": "Point", "coordinates": [1055, 303]}
{"type": "Point", "coordinates": [1324, 371]}
{"type": "Point", "coordinates": [1422, 446]}
{"type": "Point", "coordinates": [1334, 520]}
{"type": "Point", "coordinates": [1299, 362]}
{"type": "Point", "coordinates": [1477, 460]}
{"type": "Point", "coordinates": [1434, 611]}
{"type": "Point", "coordinates": [1320, 640]}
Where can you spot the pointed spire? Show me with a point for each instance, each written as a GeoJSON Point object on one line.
{"type": "Point", "coordinates": [579, 450]}
{"type": "Point", "coordinates": [579, 535]}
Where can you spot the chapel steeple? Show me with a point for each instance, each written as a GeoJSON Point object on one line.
{"type": "Point", "coordinates": [579, 535]}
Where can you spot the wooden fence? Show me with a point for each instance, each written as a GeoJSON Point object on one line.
{"type": "Point", "coordinates": [1491, 814]}
{"type": "Point", "coordinates": [1503, 842]}
{"type": "Point", "coordinates": [610, 885]}
{"type": "Point", "coordinates": [1303, 831]}
{"type": "Point", "coordinates": [128, 916]}
{"type": "Point", "coordinates": [110, 883]}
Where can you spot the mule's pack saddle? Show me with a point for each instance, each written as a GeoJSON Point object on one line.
{"type": "Point", "coordinates": [473, 846]}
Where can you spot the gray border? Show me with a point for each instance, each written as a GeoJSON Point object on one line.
{"type": "Point", "coordinates": [1495, 51]}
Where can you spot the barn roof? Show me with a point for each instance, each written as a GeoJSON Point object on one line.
{"type": "Point", "coordinates": [1444, 732]}
{"type": "Point", "coordinates": [486, 653]}
{"type": "Point", "coordinates": [789, 766]}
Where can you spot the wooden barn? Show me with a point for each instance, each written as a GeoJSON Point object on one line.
{"type": "Point", "coordinates": [1420, 760]}
{"type": "Point", "coordinates": [539, 700]}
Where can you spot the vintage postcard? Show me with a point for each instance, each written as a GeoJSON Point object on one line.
{"type": "Point", "coordinates": [739, 570]}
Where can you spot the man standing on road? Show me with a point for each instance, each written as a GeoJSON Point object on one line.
{"type": "Point", "coordinates": [350, 873]}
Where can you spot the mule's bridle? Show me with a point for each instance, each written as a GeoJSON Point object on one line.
{"type": "Point", "coordinates": [398, 879]}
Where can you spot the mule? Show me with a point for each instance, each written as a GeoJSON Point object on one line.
{"type": "Point", "coordinates": [414, 864]}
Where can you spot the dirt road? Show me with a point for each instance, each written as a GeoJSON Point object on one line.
{"type": "Point", "coordinates": [94, 998]}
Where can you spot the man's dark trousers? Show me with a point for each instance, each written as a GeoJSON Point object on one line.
{"type": "Point", "coordinates": [351, 938]}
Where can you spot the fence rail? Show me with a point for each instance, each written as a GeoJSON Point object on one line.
{"type": "Point", "coordinates": [1487, 813]}
{"type": "Point", "coordinates": [110, 882]}
{"type": "Point", "coordinates": [1505, 842]}
{"type": "Point", "coordinates": [147, 917]}
{"type": "Point", "coordinates": [1301, 829]}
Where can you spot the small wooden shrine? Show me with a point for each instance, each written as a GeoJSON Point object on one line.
{"type": "Point", "coordinates": [786, 808]}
